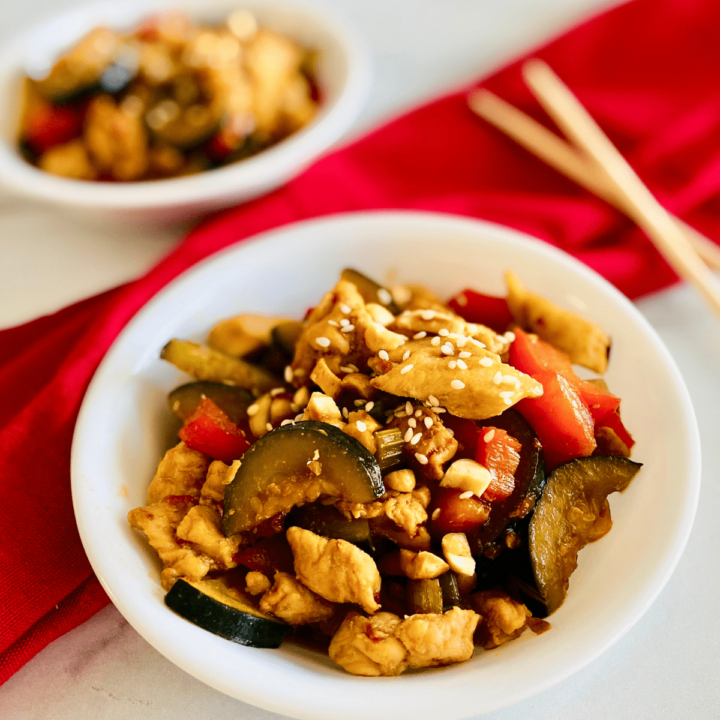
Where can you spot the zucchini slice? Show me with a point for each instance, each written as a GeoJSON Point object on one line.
{"type": "Point", "coordinates": [215, 606]}
{"type": "Point", "coordinates": [567, 517]}
{"type": "Point", "coordinates": [295, 464]}
{"type": "Point", "coordinates": [231, 399]}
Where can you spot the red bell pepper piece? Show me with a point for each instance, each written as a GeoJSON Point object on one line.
{"type": "Point", "coordinates": [532, 355]}
{"type": "Point", "coordinates": [560, 418]}
{"type": "Point", "coordinates": [614, 422]}
{"type": "Point", "coordinates": [483, 309]}
{"type": "Point", "coordinates": [209, 430]}
{"type": "Point", "coordinates": [466, 432]}
{"type": "Point", "coordinates": [48, 125]}
{"type": "Point", "coordinates": [456, 514]}
{"type": "Point", "coordinates": [267, 555]}
{"type": "Point", "coordinates": [500, 454]}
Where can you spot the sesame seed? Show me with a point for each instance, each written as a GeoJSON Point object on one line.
{"type": "Point", "coordinates": [465, 354]}
{"type": "Point", "coordinates": [497, 378]}
{"type": "Point", "coordinates": [467, 494]}
{"type": "Point", "coordinates": [462, 364]}
{"type": "Point", "coordinates": [359, 402]}
{"type": "Point", "coordinates": [453, 335]}
{"type": "Point", "coordinates": [450, 432]}
{"type": "Point", "coordinates": [428, 422]}
{"type": "Point", "coordinates": [489, 435]}
{"type": "Point", "coordinates": [447, 349]}
{"type": "Point", "coordinates": [408, 435]}
{"type": "Point", "coordinates": [457, 384]}
{"type": "Point", "coordinates": [361, 426]}
{"type": "Point", "coordinates": [435, 341]}
{"type": "Point", "coordinates": [419, 335]}
{"type": "Point", "coordinates": [345, 309]}
{"type": "Point", "coordinates": [383, 355]}
{"type": "Point", "coordinates": [285, 422]}
{"type": "Point", "coordinates": [299, 416]}
{"type": "Point", "coordinates": [440, 410]}
{"type": "Point", "coordinates": [333, 323]}
{"type": "Point", "coordinates": [347, 328]}
{"type": "Point", "coordinates": [385, 296]}
{"type": "Point", "coordinates": [347, 369]}
{"type": "Point", "coordinates": [252, 410]}
{"type": "Point", "coordinates": [299, 372]}
{"type": "Point", "coordinates": [486, 362]}
{"type": "Point", "coordinates": [478, 343]}
{"type": "Point", "coordinates": [508, 401]}
{"type": "Point", "coordinates": [406, 355]}
{"type": "Point", "coordinates": [369, 406]}
{"type": "Point", "coordinates": [400, 414]}
{"type": "Point", "coordinates": [288, 374]}
{"type": "Point", "coordinates": [510, 335]}
{"type": "Point", "coordinates": [322, 342]}
{"type": "Point", "coordinates": [344, 322]}
{"type": "Point", "coordinates": [461, 341]}
{"type": "Point", "coordinates": [345, 413]}
{"type": "Point", "coordinates": [418, 412]}
{"type": "Point", "coordinates": [412, 422]}
{"type": "Point", "coordinates": [422, 459]}
{"type": "Point", "coordinates": [436, 514]}
{"type": "Point", "coordinates": [268, 426]}
{"type": "Point", "coordinates": [416, 438]}
{"type": "Point", "coordinates": [506, 394]}
{"type": "Point", "coordinates": [443, 332]}
{"type": "Point", "coordinates": [428, 314]}
{"type": "Point", "coordinates": [433, 400]}
{"type": "Point", "coordinates": [452, 364]}
{"type": "Point", "coordinates": [408, 408]}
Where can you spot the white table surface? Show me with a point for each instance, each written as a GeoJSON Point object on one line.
{"type": "Point", "coordinates": [666, 667]}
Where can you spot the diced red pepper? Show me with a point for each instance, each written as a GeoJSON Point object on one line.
{"type": "Point", "coordinates": [456, 514]}
{"type": "Point", "coordinates": [466, 433]}
{"type": "Point", "coordinates": [560, 418]}
{"type": "Point", "coordinates": [500, 454]}
{"type": "Point", "coordinates": [614, 422]}
{"type": "Point", "coordinates": [483, 309]}
{"type": "Point", "coordinates": [532, 355]}
{"type": "Point", "coordinates": [267, 555]}
{"type": "Point", "coordinates": [48, 125]}
{"type": "Point", "coordinates": [271, 526]}
{"type": "Point", "coordinates": [209, 430]}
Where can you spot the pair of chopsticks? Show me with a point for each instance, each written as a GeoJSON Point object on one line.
{"type": "Point", "coordinates": [591, 160]}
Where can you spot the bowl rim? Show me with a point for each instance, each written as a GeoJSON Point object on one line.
{"type": "Point", "coordinates": [334, 225]}
{"type": "Point", "coordinates": [247, 178]}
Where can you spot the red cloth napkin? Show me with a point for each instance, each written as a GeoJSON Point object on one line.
{"type": "Point", "coordinates": [648, 71]}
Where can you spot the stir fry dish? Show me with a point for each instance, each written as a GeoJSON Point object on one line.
{"type": "Point", "coordinates": [169, 99]}
{"type": "Point", "coordinates": [395, 479]}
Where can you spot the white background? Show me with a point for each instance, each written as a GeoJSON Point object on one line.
{"type": "Point", "coordinates": [666, 667]}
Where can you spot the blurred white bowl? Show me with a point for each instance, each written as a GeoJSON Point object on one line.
{"type": "Point", "coordinates": [125, 425]}
{"type": "Point", "coordinates": [342, 73]}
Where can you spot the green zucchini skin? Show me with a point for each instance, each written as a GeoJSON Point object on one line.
{"type": "Point", "coordinates": [189, 601]}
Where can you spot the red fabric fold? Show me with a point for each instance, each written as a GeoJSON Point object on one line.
{"type": "Point", "coordinates": [646, 70]}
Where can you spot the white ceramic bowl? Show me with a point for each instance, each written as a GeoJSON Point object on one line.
{"type": "Point", "coordinates": [123, 429]}
{"type": "Point", "coordinates": [343, 75]}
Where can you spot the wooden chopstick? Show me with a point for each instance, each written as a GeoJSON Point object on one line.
{"type": "Point", "coordinates": [559, 154]}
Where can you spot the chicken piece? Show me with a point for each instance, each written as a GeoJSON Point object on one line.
{"type": "Point", "coordinates": [421, 565]}
{"type": "Point", "coordinates": [467, 475]}
{"type": "Point", "coordinates": [367, 646]}
{"type": "Point", "coordinates": [361, 425]}
{"type": "Point", "coordinates": [239, 336]}
{"type": "Point", "coordinates": [182, 471]}
{"type": "Point", "coordinates": [115, 139]}
{"type": "Point", "coordinates": [326, 379]}
{"type": "Point", "coordinates": [417, 297]}
{"type": "Point", "coordinates": [400, 480]}
{"type": "Point", "coordinates": [433, 640]}
{"type": "Point", "coordinates": [503, 618]}
{"type": "Point", "coordinates": [380, 314]}
{"type": "Point", "coordinates": [456, 550]}
{"type": "Point", "coordinates": [406, 510]}
{"type": "Point", "coordinates": [69, 160]}
{"type": "Point", "coordinates": [335, 569]}
{"type": "Point", "coordinates": [323, 409]}
{"type": "Point", "coordinates": [256, 583]}
{"type": "Point", "coordinates": [219, 475]}
{"type": "Point", "coordinates": [202, 527]}
{"type": "Point", "coordinates": [159, 522]}
{"type": "Point", "coordinates": [359, 384]}
{"type": "Point", "coordinates": [461, 376]}
{"type": "Point", "coordinates": [291, 601]}
{"type": "Point", "coordinates": [587, 344]}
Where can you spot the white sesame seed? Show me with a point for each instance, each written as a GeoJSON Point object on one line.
{"type": "Point", "coordinates": [347, 328]}
{"type": "Point", "coordinates": [440, 409]}
{"type": "Point", "coordinates": [453, 335]}
{"type": "Point", "coordinates": [408, 408]}
{"type": "Point", "coordinates": [369, 406]}
{"type": "Point", "coordinates": [433, 400]}
{"type": "Point", "coordinates": [510, 335]}
{"type": "Point", "coordinates": [344, 322]}
{"type": "Point", "coordinates": [450, 432]}
{"type": "Point", "coordinates": [443, 332]}
{"type": "Point", "coordinates": [359, 402]}
{"type": "Point", "coordinates": [461, 341]}
{"type": "Point", "coordinates": [447, 349]}
{"type": "Point", "coordinates": [345, 309]}
{"type": "Point", "coordinates": [322, 342]}
{"type": "Point", "coordinates": [508, 401]}
{"type": "Point", "coordinates": [418, 412]}
{"type": "Point", "coordinates": [285, 422]}
{"type": "Point", "coordinates": [361, 426]}
{"type": "Point", "coordinates": [465, 354]}
{"type": "Point", "coordinates": [299, 372]}
{"type": "Point", "coordinates": [436, 514]}
{"type": "Point", "coordinates": [478, 343]}
{"type": "Point", "coordinates": [489, 435]}
{"type": "Point", "coordinates": [333, 323]}
{"type": "Point", "coordinates": [457, 384]}
{"type": "Point", "coordinates": [400, 414]}
{"type": "Point", "coordinates": [428, 422]}
{"type": "Point", "coordinates": [422, 459]}
{"type": "Point", "coordinates": [486, 362]}
{"type": "Point", "coordinates": [408, 435]}
{"type": "Point", "coordinates": [385, 296]}
{"type": "Point", "coordinates": [383, 355]}
{"type": "Point", "coordinates": [345, 413]}
{"type": "Point", "coordinates": [452, 364]}
{"type": "Point", "coordinates": [347, 369]}
{"type": "Point", "coordinates": [467, 494]}
{"type": "Point", "coordinates": [428, 314]}
{"type": "Point", "coordinates": [288, 374]}
{"type": "Point", "coordinates": [299, 416]}
{"type": "Point", "coordinates": [416, 438]}
{"type": "Point", "coordinates": [277, 391]}
{"type": "Point", "coordinates": [497, 378]}
{"type": "Point", "coordinates": [268, 426]}
{"type": "Point", "coordinates": [462, 364]}
{"type": "Point", "coordinates": [412, 422]}
{"type": "Point", "coordinates": [435, 341]}
{"type": "Point", "coordinates": [506, 394]}
{"type": "Point", "coordinates": [406, 355]}
{"type": "Point", "coordinates": [252, 410]}
{"type": "Point", "coordinates": [509, 379]}
{"type": "Point", "coordinates": [419, 335]}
